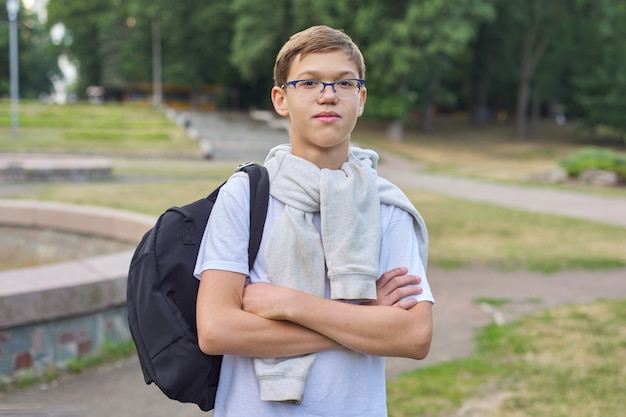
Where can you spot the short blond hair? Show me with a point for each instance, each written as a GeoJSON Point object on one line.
{"type": "Point", "coordinates": [316, 39]}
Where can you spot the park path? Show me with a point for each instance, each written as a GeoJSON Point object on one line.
{"type": "Point", "coordinates": [118, 390]}
{"type": "Point", "coordinates": [597, 208]}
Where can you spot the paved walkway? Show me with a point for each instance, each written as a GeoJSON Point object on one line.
{"type": "Point", "coordinates": [597, 208]}
{"type": "Point", "coordinates": [119, 391]}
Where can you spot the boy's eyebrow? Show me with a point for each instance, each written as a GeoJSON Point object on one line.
{"type": "Point", "coordinates": [318, 75]}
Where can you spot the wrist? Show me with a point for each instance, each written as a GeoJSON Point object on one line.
{"type": "Point", "coordinates": [293, 299]}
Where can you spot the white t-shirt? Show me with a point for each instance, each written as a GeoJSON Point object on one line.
{"type": "Point", "coordinates": [341, 382]}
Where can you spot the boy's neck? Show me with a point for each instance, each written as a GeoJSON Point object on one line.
{"type": "Point", "coordinates": [324, 158]}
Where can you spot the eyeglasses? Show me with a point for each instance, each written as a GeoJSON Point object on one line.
{"type": "Point", "coordinates": [347, 88]}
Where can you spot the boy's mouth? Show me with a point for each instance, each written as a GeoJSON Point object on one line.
{"type": "Point", "coordinates": [327, 116]}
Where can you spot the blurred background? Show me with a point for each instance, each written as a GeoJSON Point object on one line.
{"type": "Point", "coordinates": [491, 60]}
{"type": "Point", "coordinates": [504, 121]}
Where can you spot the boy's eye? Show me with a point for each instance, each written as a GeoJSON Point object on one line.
{"type": "Point", "coordinates": [345, 84]}
{"type": "Point", "coordinates": [309, 83]}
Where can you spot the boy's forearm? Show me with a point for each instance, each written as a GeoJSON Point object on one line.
{"type": "Point", "coordinates": [224, 328]}
{"type": "Point", "coordinates": [375, 330]}
{"type": "Point", "coordinates": [250, 335]}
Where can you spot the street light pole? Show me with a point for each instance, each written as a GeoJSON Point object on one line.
{"type": "Point", "coordinates": [157, 82]}
{"type": "Point", "coordinates": [13, 6]}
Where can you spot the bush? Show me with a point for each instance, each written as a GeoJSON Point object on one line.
{"type": "Point", "coordinates": [594, 158]}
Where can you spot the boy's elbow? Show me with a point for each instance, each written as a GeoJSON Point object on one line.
{"type": "Point", "coordinates": [422, 331]}
{"type": "Point", "coordinates": [422, 351]}
{"type": "Point", "coordinates": [209, 340]}
{"type": "Point", "coordinates": [422, 341]}
{"type": "Point", "coordinates": [207, 347]}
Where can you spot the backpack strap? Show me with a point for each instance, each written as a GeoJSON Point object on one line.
{"type": "Point", "coordinates": [259, 198]}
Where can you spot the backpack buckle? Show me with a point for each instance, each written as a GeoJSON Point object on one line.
{"type": "Point", "coordinates": [240, 167]}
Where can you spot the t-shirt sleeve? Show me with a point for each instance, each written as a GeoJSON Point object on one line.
{"type": "Point", "coordinates": [399, 247]}
{"type": "Point", "coordinates": [226, 246]}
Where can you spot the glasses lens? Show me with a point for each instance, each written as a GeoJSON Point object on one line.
{"type": "Point", "coordinates": [347, 88]}
{"type": "Point", "coordinates": [343, 88]}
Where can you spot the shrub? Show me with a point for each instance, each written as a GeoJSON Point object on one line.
{"type": "Point", "coordinates": [594, 158]}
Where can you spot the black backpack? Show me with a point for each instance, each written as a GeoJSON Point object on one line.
{"type": "Point", "coordinates": [161, 295]}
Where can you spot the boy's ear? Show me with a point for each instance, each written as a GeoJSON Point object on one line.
{"type": "Point", "coordinates": [362, 99]}
{"type": "Point", "coordinates": [280, 101]}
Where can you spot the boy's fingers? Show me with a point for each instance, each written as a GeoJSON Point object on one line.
{"type": "Point", "coordinates": [399, 282]}
{"type": "Point", "coordinates": [406, 304]}
{"type": "Point", "coordinates": [390, 275]}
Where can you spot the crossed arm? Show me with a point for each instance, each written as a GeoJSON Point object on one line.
{"type": "Point", "coordinates": [264, 320]}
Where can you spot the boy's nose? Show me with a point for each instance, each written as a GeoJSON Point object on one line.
{"type": "Point", "coordinates": [325, 95]}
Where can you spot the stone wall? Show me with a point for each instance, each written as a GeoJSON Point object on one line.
{"type": "Point", "coordinates": [22, 247]}
{"type": "Point", "coordinates": [50, 314]}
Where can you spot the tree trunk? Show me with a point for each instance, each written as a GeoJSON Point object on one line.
{"type": "Point", "coordinates": [522, 109]}
{"type": "Point", "coordinates": [481, 112]}
{"type": "Point", "coordinates": [480, 79]}
{"type": "Point", "coordinates": [427, 118]}
{"type": "Point", "coordinates": [395, 131]}
{"type": "Point", "coordinates": [535, 108]}
{"type": "Point", "coordinates": [428, 109]}
{"type": "Point", "coordinates": [532, 52]}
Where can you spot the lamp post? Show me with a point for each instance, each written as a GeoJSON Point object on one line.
{"type": "Point", "coordinates": [157, 82]}
{"type": "Point", "coordinates": [13, 6]}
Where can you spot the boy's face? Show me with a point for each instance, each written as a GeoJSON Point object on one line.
{"type": "Point", "coordinates": [320, 123]}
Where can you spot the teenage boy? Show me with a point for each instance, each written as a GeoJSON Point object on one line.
{"type": "Point", "coordinates": [307, 330]}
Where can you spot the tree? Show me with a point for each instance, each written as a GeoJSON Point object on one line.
{"type": "Point", "coordinates": [521, 62]}
{"type": "Point", "coordinates": [599, 76]}
{"type": "Point", "coordinates": [489, 68]}
{"type": "Point", "coordinates": [83, 29]}
{"type": "Point", "coordinates": [37, 61]}
{"type": "Point", "coordinates": [536, 21]}
{"type": "Point", "coordinates": [412, 48]}
{"type": "Point", "coordinates": [196, 40]}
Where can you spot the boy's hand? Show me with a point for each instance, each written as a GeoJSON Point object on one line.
{"type": "Point", "coordinates": [267, 300]}
{"type": "Point", "coordinates": [393, 286]}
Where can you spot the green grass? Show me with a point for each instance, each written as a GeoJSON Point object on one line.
{"type": "Point", "coordinates": [465, 233]}
{"type": "Point", "coordinates": [109, 352]}
{"type": "Point", "coordinates": [496, 302]}
{"type": "Point", "coordinates": [111, 129]}
{"type": "Point", "coordinates": [565, 362]}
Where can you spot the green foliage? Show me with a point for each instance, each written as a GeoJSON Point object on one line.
{"type": "Point", "coordinates": [413, 48]}
{"type": "Point", "coordinates": [594, 158]}
{"type": "Point", "coordinates": [454, 55]}
{"type": "Point", "coordinates": [257, 36]}
{"type": "Point", "coordinates": [85, 24]}
{"type": "Point", "coordinates": [599, 78]}
{"type": "Point", "coordinates": [36, 57]}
